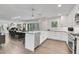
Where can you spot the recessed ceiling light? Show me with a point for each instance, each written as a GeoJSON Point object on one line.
{"type": "Point", "coordinates": [77, 11]}
{"type": "Point", "coordinates": [59, 5]}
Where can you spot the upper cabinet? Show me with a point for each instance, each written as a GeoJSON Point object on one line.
{"type": "Point", "coordinates": [77, 19]}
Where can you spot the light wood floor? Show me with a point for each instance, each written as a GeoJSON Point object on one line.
{"type": "Point", "coordinates": [48, 47]}
{"type": "Point", "coordinates": [53, 47]}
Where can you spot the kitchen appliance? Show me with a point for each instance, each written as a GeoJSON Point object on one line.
{"type": "Point", "coordinates": [70, 29]}
{"type": "Point", "coordinates": [72, 43]}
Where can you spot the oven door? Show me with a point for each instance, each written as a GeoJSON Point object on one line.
{"type": "Point", "coordinates": [71, 43]}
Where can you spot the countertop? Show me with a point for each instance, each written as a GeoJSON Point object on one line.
{"type": "Point", "coordinates": [30, 32]}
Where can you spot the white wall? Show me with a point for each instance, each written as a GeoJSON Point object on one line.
{"type": "Point", "coordinates": [63, 21]}
{"type": "Point", "coordinates": [71, 16]}
{"type": "Point", "coordinates": [45, 24]}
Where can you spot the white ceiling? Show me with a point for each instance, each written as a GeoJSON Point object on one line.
{"type": "Point", "coordinates": [11, 11]}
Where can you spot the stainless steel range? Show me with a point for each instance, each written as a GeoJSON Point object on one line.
{"type": "Point", "coordinates": [72, 42]}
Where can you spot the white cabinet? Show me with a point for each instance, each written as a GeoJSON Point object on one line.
{"type": "Point", "coordinates": [43, 36]}
{"type": "Point", "coordinates": [29, 41]}
{"type": "Point", "coordinates": [37, 39]}
{"type": "Point", "coordinates": [58, 36]}
{"type": "Point", "coordinates": [52, 35]}
{"type": "Point", "coordinates": [32, 40]}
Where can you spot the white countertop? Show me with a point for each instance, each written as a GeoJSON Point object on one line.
{"type": "Point", "coordinates": [31, 32]}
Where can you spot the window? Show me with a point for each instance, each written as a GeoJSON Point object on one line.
{"type": "Point", "coordinates": [33, 27]}
{"type": "Point", "coordinates": [54, 24]}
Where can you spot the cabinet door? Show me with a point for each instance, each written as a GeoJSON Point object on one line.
{"type": "Point", "coordinates": [29, 41]}
{"type": "Point", "coordinates": [43, 36]}
{"type": "Point", "coordinates": [52, 35]}
{"type": "Point", "coordinates": [37, 39]}
{"type": "Point", "coordinates": [58, 36]}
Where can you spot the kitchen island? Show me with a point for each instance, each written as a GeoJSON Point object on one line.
{"type": "Point", "coordinates": [34, 38]}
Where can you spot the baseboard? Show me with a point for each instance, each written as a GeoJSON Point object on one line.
{"type": "Point", "coordinates": [41, 43]}
{"type": "Point", "coordinates": [55, 40]}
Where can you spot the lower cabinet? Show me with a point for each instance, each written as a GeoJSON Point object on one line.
{"type": "Point", "coordinates": [43, 36]}
{"type": "Point", "coordinates": [58, 36]}
{"type": "Point", "coordinates": [32, 40]}
{"type": "Point", "coordinates": [37, 39]}
{"type": "Point", "coordinates": [2, 39]}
